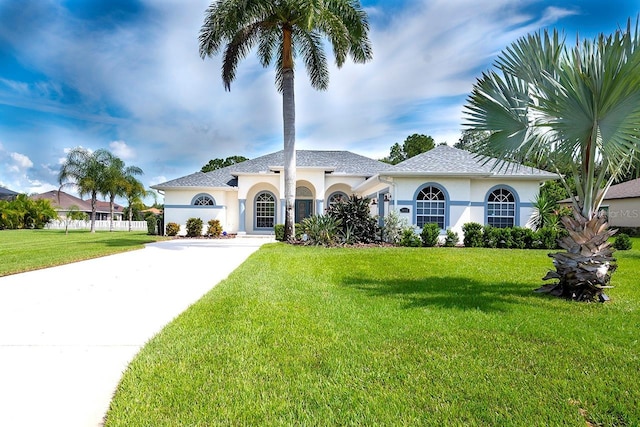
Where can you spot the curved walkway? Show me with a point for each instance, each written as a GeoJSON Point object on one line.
{"type": "Point", "coordinates": [67, 333]}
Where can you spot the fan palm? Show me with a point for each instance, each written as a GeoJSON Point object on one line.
{"type": "Point", "coordinates": [282, 30]}
{"type": "Point", "coordinates": [86, 170]}
{"type": "Point", "coordinates": [569, 105]}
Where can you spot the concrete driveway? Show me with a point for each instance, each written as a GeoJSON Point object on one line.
{"type": "Point", "coordinates": [67, 333]}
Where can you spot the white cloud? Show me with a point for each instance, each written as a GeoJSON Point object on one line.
{"type": "Point", "coordinates": [122, 150]}
{"type": "Point", "coordinates": [20, 161]}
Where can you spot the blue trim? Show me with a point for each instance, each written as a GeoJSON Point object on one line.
{"type": "Point", "coordinates": [405, 202]}
{"type": "Point", "coordinates": [319, 206]}
{"type": "Point", "coordinates": [381, 209]}
{"type": "Point", "coordinates": [477, 204]}
{"type": "Point", "coordinates": [255, 211]}
{"type": "Point", "coordinates": [446, 202]}
{"type": "Point", "coordinates": [516, 219]}
{"type": "Point", "coordinates": [193, 199]}
{"type": "Point", "coordinates": [283, 209]}
{"type": "Point", "coordinates": [194, 207]}
{"type": "Point", "coordinates": [242, 209]}
{"type": "Point", "coordinates": [459, 203]}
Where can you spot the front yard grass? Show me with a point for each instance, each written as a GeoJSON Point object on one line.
{"type": "Point", "coordinates": [25, 250]}
{"type": "Point", "coordinates": [391, 336]}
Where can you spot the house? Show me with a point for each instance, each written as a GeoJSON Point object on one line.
{"type": "Point", "coordinates": [445, 185]}
{"type": "Point", "coordinates": [6, 194]}
{"type": "Point", "coordinates": [62, 202]}
{"type": "Point", "coordinates": [622, 204]}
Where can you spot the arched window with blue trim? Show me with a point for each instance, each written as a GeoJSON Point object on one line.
{"type": "Point", "coordinates": [265, 215]}
{"type": "Point", "coordinates": [203, 199]}
{"type": "Point", "coordinates": [431, 206]}
{"type": "Point", "coordinates": [336, 197]}
{"type": "Point", "coordinates": [501, 208]}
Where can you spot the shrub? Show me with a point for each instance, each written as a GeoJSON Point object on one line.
{"type": "Point", "coordinates": [214, 228]}
{"type": "Point", "coordinates": [622, 242]}
{"type": "Point", "coordinates": [172, 229]}
{"type": "Point", "coordinates": [410, 238]}
{"type": "Point", "coordinates": [393, 227]}
{"type": "Point", "coordinates": [452, 239]}
{"type": "Point", "coordinates": [503, 235]}
{"type": "Point", "coordinates": [490, 236]}
{"type": "Point", "coordinates": [152, 225]}
{"type": "Point", "coordinates": [472, 235]}
{"type": "Point", "coordinates": [321, 229]}
{"type": "Point", "coordinates": [521, 237]}
{"type": "Point", "coordinates": [194, 227]}
{"type": "Point", "coordinates": [278, 230]}
{"type": "Point", "coordinates": [429, 235]}
{"type": "Point", "coordinates": [355, 219]}
{"type": "Point", "coordinates": [546, 238]}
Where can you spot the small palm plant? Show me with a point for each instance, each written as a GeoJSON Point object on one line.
{"type": "Point", "coordinates": [577, 106]}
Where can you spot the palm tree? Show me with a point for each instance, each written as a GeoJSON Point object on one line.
{"type": "Point", "coordinates": [134, 192]}
{"type": "Point", "coordinates": [282, 29]}
{"type": "Point", "coordinates": [86, 170]}
{"type": "Point", "coordinates": [115, 182]}
{"type": "Point", "coordinates": [571, 105]}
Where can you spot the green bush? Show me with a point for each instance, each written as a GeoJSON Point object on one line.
{"type": "Point", "coordinates": [278, 230]}
{"type": "Point", "coordinates": [321, 229]}
{"type": "Point", "coordinates": [152, 225]}
{"type": "Point", "coordinates": [173, 229]}
{"type": "Point", "coordinates": [429, 234]}
{"type": "Point", "coordinates": [622, 242]}
{"type": "Point", "coordinates": [490, 236]}
{"type": "Point", "coordinates": [546, 238]}
{"type": "Point", "coordinates": [194, 227]}
{"type": "Point", "coordinates": [214, 228]}
{"type": "Point", "coordinates": [410, 238]}
{"type": "Point", "coordinates": [452, 239]}
{"type": "Point", "coordinates": [355, 219]}
{"type": "Point", "coordinates": [505, 241]}
{"type": "Point", "coordinates": [472, 235]}
{"type": "Point", "coordinates": [393, 227]}
{"type": "Point", "coordinates": [23, 212]}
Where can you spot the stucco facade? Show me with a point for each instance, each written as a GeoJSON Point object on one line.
{"type": "Point", "coordinates": [444, 185]}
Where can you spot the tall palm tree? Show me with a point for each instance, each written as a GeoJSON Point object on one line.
{"type": "Point", "coordinates": [282, 29]}
{"type": "Point", "coordinates": [571, 105]}
{"type": "Point", "coordinates": [115, 182]}
{"type": "Point", "coordinates": [86, 170]}
{"type": "Point", "coordinates": [134, 192]}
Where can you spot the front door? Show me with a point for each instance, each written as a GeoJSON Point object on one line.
{"type": "Point", "coordinates": [303, 209]}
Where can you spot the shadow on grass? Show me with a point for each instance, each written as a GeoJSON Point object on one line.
{"type": "Point", "coordinates": [459, 293]}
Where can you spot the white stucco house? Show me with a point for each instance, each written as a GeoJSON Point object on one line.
{"type": "Point", "coordinates": [445, 185]}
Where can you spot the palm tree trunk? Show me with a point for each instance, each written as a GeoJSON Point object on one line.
{"type": "Point", "coordinates": [111, 200]}
{"type": "Point", "coordinates": [584, 270]}
{"type": "Point", "coordinates": [94, 197]}
{"type": "Point", "coordinates": [289, 119]}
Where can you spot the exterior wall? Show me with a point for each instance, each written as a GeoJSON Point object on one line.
{"type": "Point", "coordinates": [623, 212]}
{"type": "Point", "coordinates": [178, 208]}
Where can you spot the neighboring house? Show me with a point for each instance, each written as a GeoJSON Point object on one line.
{"type": "Point", "coordinates": [6, 194]}
{"type": "Point", "coordinates": [62, 203]}
{"type": "Point", "coordinates": [445, 185]}
{"type": "Point", "coordinates": [621, 204]}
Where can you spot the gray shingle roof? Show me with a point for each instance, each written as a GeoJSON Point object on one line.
{"type": "Point", "coordinates": [340, 162]}
{"type": "Point", "coordinates": [446, 160]}
{"type": "Point", "coordinates": [624, 190]}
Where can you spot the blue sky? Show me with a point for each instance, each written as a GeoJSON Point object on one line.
{"type": "Point", "coordinates": [126, 75]}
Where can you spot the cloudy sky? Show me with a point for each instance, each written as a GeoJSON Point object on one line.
{"type": "Point", "coordinates": [126, 75]}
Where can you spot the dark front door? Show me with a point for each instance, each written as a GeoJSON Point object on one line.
{"type": "Point", "coordinates": [303, 210]}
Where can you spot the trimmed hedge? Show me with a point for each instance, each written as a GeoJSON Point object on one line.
{"type": "Point", "coordinates": [477, 235]}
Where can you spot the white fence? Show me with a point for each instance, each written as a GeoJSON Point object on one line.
{"type": "Point", "coordinates": [100, 225]}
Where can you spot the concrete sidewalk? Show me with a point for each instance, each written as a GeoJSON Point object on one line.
{"type": "Point", "coordinates": [67, 333]}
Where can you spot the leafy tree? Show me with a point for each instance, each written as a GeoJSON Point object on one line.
{"type": "Point", "coordinates": [413, 145]}
{"type": "Point", "coordinates": [23, 212]}
{"type": "Point", "coordinates": [115, 182]}
{"type": "Point", "coordinates": [283, 30]}
{"type": "Point", "coordinates": [220, 163]}
{"type": "Point", "coordinates": [570, 105]}
{"type": "Point", "coordinates": [134, 192]}
{"type": "Point", "coordinates": [86, 170]}
{"type": "Point", "coordinates": [470, 138]}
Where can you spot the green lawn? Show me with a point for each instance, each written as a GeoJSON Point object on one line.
{"type": "Point", "coordinates": [391, 336]}
{"type": "Point", "coordinates": [25, 250]}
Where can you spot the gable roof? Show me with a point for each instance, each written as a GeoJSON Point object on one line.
{"type": "Point", "coordinates": [446, 160]}
{"type": "Point", "coordinates": [5, 193]}
{"type": "Point", "coordinates": [338, 162]}
{"type": "Point", "coordinates": [64, 201]}
{"type": "Point", "coordinates": [624, 190]}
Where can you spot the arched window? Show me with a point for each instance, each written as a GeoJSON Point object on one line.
{"type": "Point", "coordinates": [430, 206]}
{"type": "Point", "coordinates": [336, 197]}
{"type": "Point", "coordinates": [265, 210]}
{"type": "Point", "coordinates": [501, 208]}
{"type": "Point", "coordinates": [203, 200]}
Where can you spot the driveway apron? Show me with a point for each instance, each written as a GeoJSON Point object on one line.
{"type": "Point", "coordinates": [67, 333]}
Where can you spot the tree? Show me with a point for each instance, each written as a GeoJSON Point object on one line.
{"type": "Point", "coordinates": [470, 138]}
{"type": "Point", "coordinates": [73, 214]}
{"type": "Point", "coordinates": [86, 170]}
{"type": "Point", "coordinates": [576, 106]}
{"type": "Point", "coordinates": [283, 30]}
{"type": "Point", "coordinates": [115, 182]}
{"type": "Point", "coordinates": [220, 163]}
{"type": "Point", "coordinates": [412, 146]}
{"type": "Point", "coordinates": [134, 192]}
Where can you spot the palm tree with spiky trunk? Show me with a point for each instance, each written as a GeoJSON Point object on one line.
{"type": "Point", "coordinates": [569, 105]}
{"type": "Point", "coordinates": [282, 30]}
